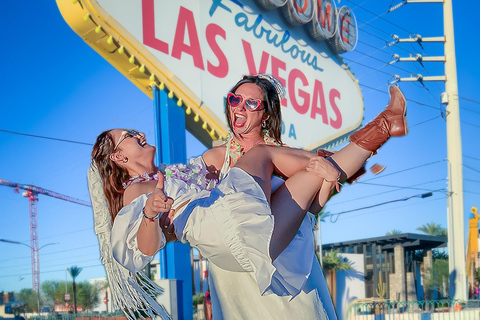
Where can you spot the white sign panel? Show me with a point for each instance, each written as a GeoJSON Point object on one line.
{"type": "Point", "coordinates": [208, 45]}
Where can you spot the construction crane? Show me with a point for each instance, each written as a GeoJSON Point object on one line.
{"type": "Point", "coordinates": [31, 192]}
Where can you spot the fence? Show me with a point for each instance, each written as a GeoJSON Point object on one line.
{"type": "Point", "coordinates": [414, 310]}
{"type": "Point", "coordinates": [80, 316]}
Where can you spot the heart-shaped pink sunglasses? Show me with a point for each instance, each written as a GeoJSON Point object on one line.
{"type": "Point", "coordinates": [250, 104]}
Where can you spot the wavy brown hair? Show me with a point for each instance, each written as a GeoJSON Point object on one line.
{"type": "Point", "coordinates": [112, 175]}
{"type": "Point", "coordinates": [271, 102]}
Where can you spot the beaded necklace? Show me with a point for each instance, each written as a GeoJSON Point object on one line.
{"type": "Point", "coordinates": [234, 149]}
{"type": "Point", "coordinates": [140, 178]}
{"type": "Point", "coordinates": [189, 173]}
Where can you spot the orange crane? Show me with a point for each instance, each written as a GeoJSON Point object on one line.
{"type": "Point", "coordinates": [31, 192]}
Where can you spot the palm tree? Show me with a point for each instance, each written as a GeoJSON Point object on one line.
{"type": "Point", "coordinates": [433, 229]}
{"type": "Point", "coordinates": [74, 272]}
{"type": "Point", "coordinates": [393, 232]}
{"type": "Point", "coordinates": [333, 262]}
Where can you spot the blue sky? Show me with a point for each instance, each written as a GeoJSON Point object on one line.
{"type": "Point", "coordinates": [55, 85]}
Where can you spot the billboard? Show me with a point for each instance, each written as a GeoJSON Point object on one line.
{"type": "Point", "coordinates": [198, 49]}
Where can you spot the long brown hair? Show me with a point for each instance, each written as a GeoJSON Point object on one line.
{"type": "Point", "coordinates": [271, 101]}
{"type": "Point", "coordinates": [112, 175]}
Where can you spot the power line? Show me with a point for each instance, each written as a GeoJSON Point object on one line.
{"type": "Point", "coordinates": [414, 101]}
{"type": "Point", "coordinates": [44, 254]}
{"type": "Point", "coordinates": [470, 180]}
{"type": "Point", "coordinates": [404, 170]}
{"type": "Point", "coordinates": [470, 124]}
{"type": "Point", "coordinates": [48, 138]}
{"type": "Point", "coordinates": [417, 124]}
{"type": "Point", "coordinates": [474, 101]}
{"type": "Point", "coordinates": [379, 17]}
{"type": "Point", "coordinates": [385, 192]}
{"type": "Point", "coordinates": [420, 195]}
{"type": "Point", "coordinates": [471, 157]}
{"type": "Point", "coordinates": [471, 168]}
{"type": "Point", "coordinates": [466, 109]}
{"type": "Point", "coordinates": [392, 65]}
{"type": "Point", "coordinates": [63, 270]}
{"type": "Point", "coordinates": [64, 263]}
{"type": "Point", "coordinates": [372, 212]}
{"type": "Point", "coordinates": [53, 260]}
{"type": "Point", "coordinates": [364, 65]}
{"type": "Point", "coordinates": [396, 187]}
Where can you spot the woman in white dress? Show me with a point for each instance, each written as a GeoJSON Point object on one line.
{"type": "Point", "coordinates": [231, 291]}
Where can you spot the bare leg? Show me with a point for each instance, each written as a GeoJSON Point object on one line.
{"type": "Point", "coordinates": [298, 191]}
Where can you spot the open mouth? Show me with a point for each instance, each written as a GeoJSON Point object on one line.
{"type": "Point", "coordinates": [239, 120]}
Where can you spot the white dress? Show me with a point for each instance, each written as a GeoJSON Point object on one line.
{"type": "Point", "coordinates": [235, 295]}
{"type": "Point", "coordinates": [232, 226]}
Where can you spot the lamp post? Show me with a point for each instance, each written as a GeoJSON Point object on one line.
{"type": "Point", "coordinates": [37, 257]}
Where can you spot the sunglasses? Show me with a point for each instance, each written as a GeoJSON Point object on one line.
{"type": "Point", "coordinates": [250, 104]}
{"type": "Point", "coordinates": [126, 134]}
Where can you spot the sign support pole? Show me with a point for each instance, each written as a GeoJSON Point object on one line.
{"type": "Point", "coordinates": [170, 139]}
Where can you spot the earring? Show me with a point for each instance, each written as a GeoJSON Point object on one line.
{"type": "Point", "coordinates": [264, 123]}
{"type": "Point", "coordinates": [125, 160]}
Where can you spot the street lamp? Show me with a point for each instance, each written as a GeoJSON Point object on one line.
{"type": "Point", "coordinates": [48, 244]}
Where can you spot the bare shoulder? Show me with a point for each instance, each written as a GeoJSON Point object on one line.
{"type": "Point", "coordinates": [136, 189]}
{"type": "Point", "coordinates": [215, 157]}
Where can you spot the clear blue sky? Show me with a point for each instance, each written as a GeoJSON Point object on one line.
{"type": "Point", "coordinates": [55, 85]}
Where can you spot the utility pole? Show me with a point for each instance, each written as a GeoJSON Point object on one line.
{"type": "Point", "coordinates": [455, 214]}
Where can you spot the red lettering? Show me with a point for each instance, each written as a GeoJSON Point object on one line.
{"type": "Point", "coordinates": [337, 123]}
{"type": "Point", "coordinates": [247, 48]}
{"type": "Point", "coordinates": [301, 9]}
{"type": "Point", "coordinates": [221, 70]}
{"type": "Point", "coordinates": [148, 16]}
{"type": "Point", "coordinates": [187, 21]}
{"type": "Point", "coordinates": [327, 17]}
{"type": "Point", "coordinates": [277, 65]}
{"type": "Point", "coordinates": [318, 94]}
{"type": "Point", "coordinates": [300, 108]}
{"type": "Point", "coordinates": [345, 22]}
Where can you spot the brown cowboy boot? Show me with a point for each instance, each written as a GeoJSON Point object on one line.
{"type": "Point", "coordinates": [390, 122]}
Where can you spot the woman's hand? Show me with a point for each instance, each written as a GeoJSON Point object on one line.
{"type": "Point", "coordinates": [324, 169]}
{"type": "Point", "coordinates": [166, 224]}
{"type": "Point", "coordinates": [158, 200]}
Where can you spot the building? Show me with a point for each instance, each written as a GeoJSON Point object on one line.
{"type": "Point", "coordinates": [394, 261]}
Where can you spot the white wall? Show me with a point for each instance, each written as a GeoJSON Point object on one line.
{"type": "Point", "coordinates": [350, 283]}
